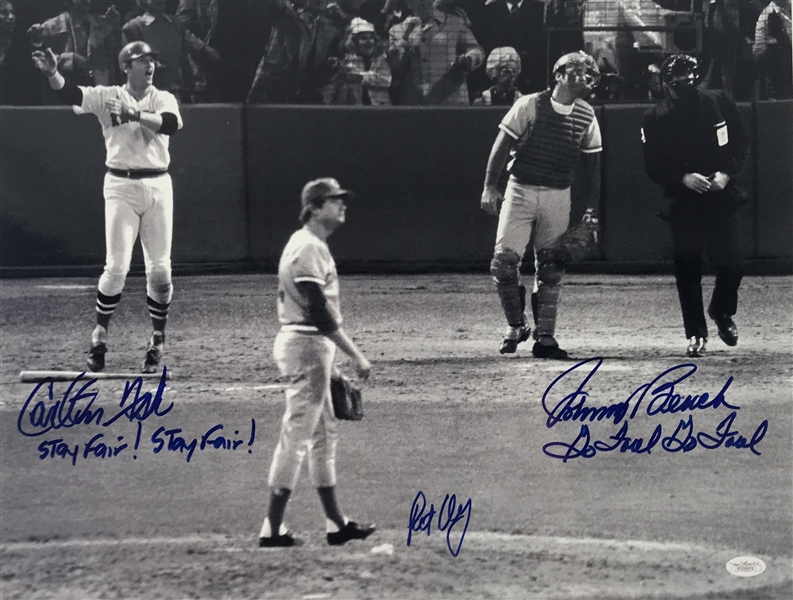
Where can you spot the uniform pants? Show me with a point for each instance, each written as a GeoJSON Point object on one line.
{"type": "Point", "coordinates": [138, 207]}
{"type": "Point", "coordinates": [306, 361]}
{"type": "Point", "coordinates": [545, 212]}
{"type": "Point", "coordinates": [526, 209]}
{"type": "Point", "coordinates": [716, 233]}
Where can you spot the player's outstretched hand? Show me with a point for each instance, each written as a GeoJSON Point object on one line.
{"type": "Point", "coordinates": [363, 367]}
{"type": "Point", "coordinates": [491, 200]}
{"type": "Point", "coordinates": [696, 182]}
{"type": "Point", "coordinates": [46, 61]}
{"type": "Point", "coordinates": [112, 16]}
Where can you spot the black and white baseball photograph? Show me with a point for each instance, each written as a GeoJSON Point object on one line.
{"type": "Point", "coordinates": [396, 299]}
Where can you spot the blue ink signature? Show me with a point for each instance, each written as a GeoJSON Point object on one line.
{"type": "Point", "coordinates": [572, 407]}
{"type": "Point", "coordinates": [101, 447]}
{"type": "Point", "coordinates": [72, 410]}
{"type": "Point", "coordinates": [682, 440]}
{"type": "Point", "coordinates": [421, 522]}
{"type": "Point", "coordinates": [211, 439]}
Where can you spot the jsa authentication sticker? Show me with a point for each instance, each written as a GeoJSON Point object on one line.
{"type": "Point", "coordinates": [745, 566]}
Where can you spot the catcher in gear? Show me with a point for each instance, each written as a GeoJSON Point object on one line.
{"type": "Point", "coordinates": [542, 137]}
{"type": "Point", "coordinates": [304, 349]}
{"type": "Point", "coordinates": [137, 123]}
{"type": "Point", "coordinates": [694, 146]}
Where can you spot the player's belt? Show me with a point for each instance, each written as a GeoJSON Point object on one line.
{"type": "Point", "coordinates": [136, 173]}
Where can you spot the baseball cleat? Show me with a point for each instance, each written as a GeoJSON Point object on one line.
{"type": "Point", "coordinates": [279, 541]}
{"type": "Point", "coordinates": [151, 363]}
{"type": "Point", "coordinates": [696, 347]}
{"type": "Point", "coordinates": [351, 531]}
{"type": "Point", "coordinates": [96, 357]}
{"type": "Point", "coordinates": [552, 351]}
{"type": "Point", "coordinates": [514, 336]}
{"type": "Point", "coordinates": [728, 331]}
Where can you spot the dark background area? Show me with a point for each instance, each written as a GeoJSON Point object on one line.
{"type": "Point", "coordinates": [418, 174]}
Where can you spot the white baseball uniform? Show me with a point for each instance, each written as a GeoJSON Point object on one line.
{"type": "Point", "coordinates": [305, 358]}
{"type": "Point", "coordinates": [141, 201]}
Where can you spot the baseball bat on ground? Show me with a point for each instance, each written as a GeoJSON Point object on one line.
{"type": "Point", "coordinates": [39, 376]}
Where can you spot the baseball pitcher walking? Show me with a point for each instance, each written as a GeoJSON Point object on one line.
{"type": "Point", "coordinates": [305, 347]}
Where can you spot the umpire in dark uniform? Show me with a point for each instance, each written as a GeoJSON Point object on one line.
{"type": "Point", "coordinates": [694, 146]}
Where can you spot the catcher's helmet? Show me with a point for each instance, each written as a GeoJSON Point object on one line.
{"type": "Point", "coordinates": [134, 50]}
{"type": "Point", "coordinates": [582, 59]}
{"type": "Point", "coordinates": [681, 65]}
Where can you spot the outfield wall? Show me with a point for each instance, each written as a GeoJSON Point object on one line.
{"type": "Point", "coordinates": [417, 173]}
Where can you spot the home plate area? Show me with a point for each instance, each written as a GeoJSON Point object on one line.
{"type": "Point", "coordinates": [489, 565]}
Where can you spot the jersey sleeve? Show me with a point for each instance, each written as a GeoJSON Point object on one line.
{"type": "Point", "coordinates": [94, 98]}
{"type": "Point", "coordinates": [166, 103]}
{"type": "Point", "coordinates": [592, 142]}
{"type": "Point", "coordinates": [519, 118]}
{"type": "Point", "coordinates": [309, 265]}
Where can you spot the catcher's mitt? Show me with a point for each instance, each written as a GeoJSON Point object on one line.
{"type": "Point", "coordinates": [580, 242]}
{"type": "Point", "coordinates": [347, 399]}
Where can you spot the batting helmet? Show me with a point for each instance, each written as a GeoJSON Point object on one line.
{"type": "Point", "coordinates": [134, 50]}
{"type": "Point", "coordinates": [581, 59]}
{"type": "Point", "coordinates": [681, 65]}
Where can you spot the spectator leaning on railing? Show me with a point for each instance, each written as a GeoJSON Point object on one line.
{"type": "Point", "coordinates": [199, 19]}
{"type": "Point", "coordinates": [519, 25]}
{"type": "Point", "coordinates": [303, 54]}
{"type": "Point", "coordinates": [20, 81]}
{"type": "Point", "coordinates": [722, 44]}
{"type": "Point", "coordinates": [163, 33]}
{"type": "Point", "coordinates": [772, 50]}
{"type": "Point", "coordinates": [384, 14]}
{"type": "Point", "coordinates": [431, 54]}
{"type": "Point", "coordinates": [365, 76]}
{"type": "Point", "coordinates": [503, 69]}
{"type": "Point", "coordinates": [86, 44]}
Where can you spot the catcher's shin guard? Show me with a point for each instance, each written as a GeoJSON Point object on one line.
{"type": "Point", "coordinates": [550, 270]}
{"type": "Point", "coordinates": [504, 268]}
{"type": "Point", "coordinates": [534, 307]}
{"type": "Point", "coordinates": [547, 305]}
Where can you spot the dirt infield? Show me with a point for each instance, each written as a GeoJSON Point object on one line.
{"type": "Point", "coordinates": [445, 414]}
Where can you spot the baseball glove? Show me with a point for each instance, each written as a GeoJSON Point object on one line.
{"type": "Point", "coordinates": [347, 399]}
{"type": "Point", "coordinates": [580, 242]}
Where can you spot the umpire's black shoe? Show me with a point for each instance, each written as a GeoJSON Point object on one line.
{"type": "Point", "coordinates": [728, 332]}
{"type": "Point", "coordinates": [279, 541]}
{"type": "Point", "coordinates": [351, 531]}
{"type": "Point", "coordinates": [514, 336]}
{"type": "Point", "coordinates": [151, 364]}
{"type": "Point", "coordinates": [96, 357]}
{"type": "Point", "coordinates": [552, 351]}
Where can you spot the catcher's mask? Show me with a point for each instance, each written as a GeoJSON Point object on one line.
{"type": "Point", "coordinates": [680, 74]}
{"type": "Point", "coordinates": [134, 50]}
{"type": "Point", "coordinates": [581, 64]}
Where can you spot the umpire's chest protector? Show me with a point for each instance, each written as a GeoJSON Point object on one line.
{"type": "Point", "coordinates": [697, 137]}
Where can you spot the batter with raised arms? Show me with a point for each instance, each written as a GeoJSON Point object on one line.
{"type": "Point", "coordinates": [137, 121]}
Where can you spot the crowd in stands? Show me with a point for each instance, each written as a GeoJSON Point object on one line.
{"type": "Point", "coordinates": [383, 52]}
